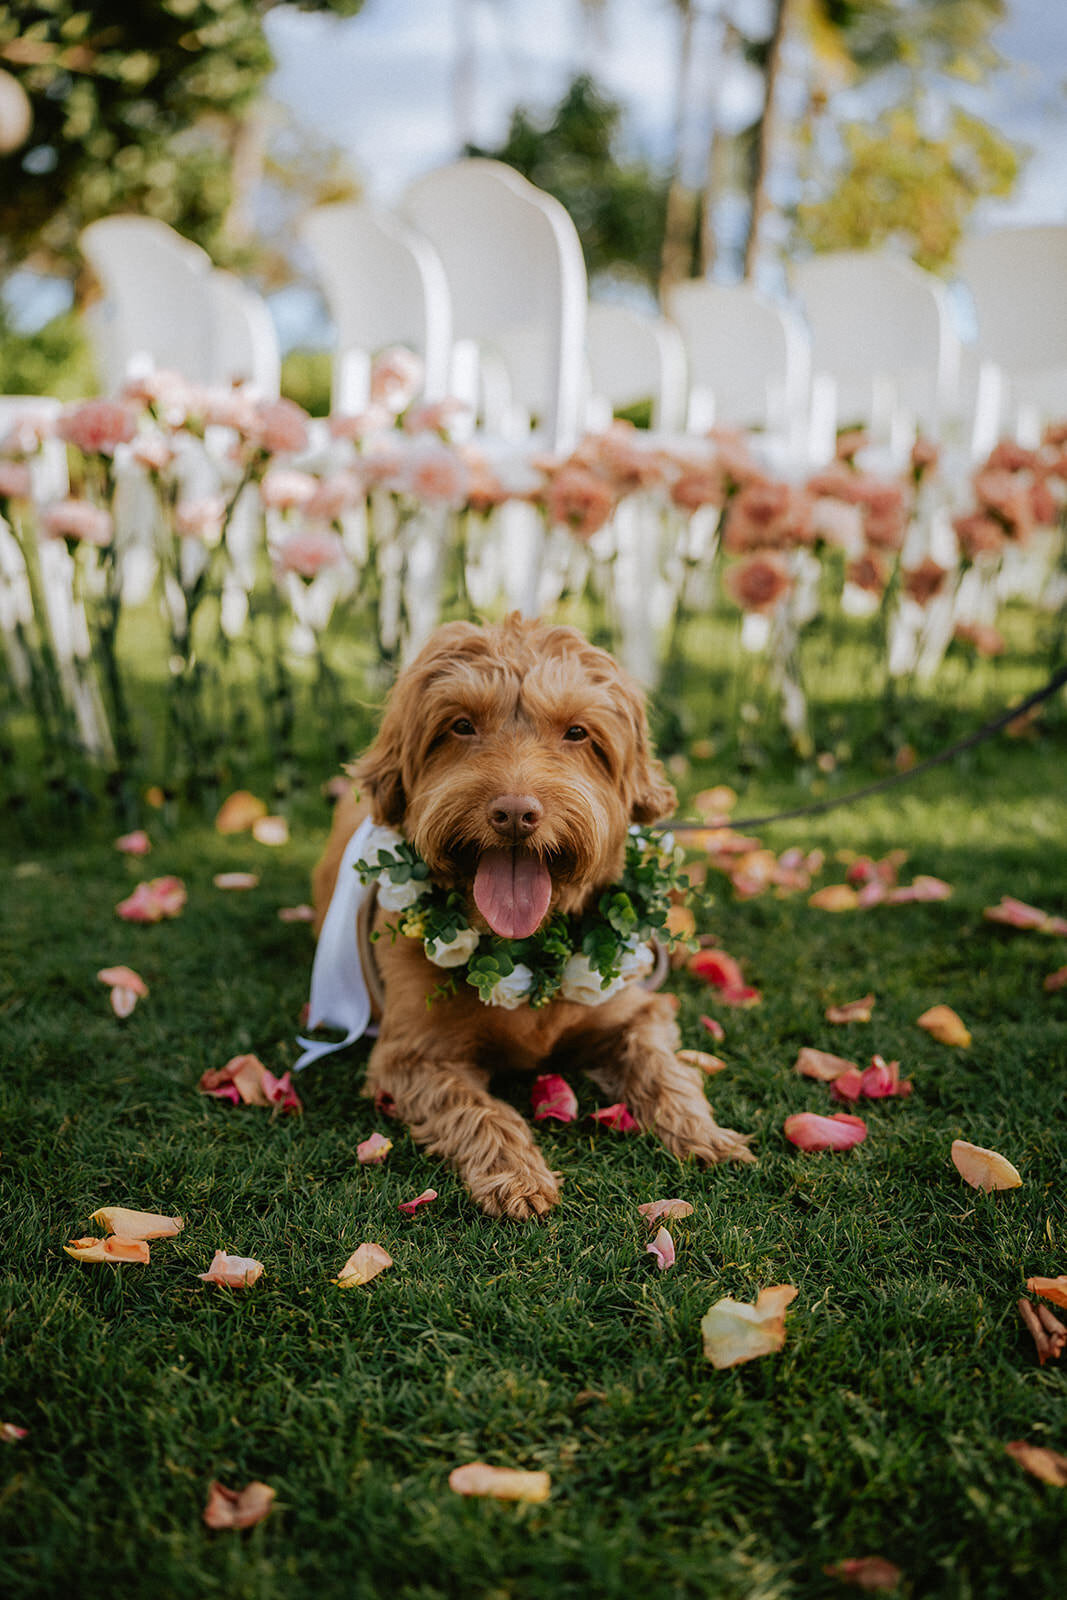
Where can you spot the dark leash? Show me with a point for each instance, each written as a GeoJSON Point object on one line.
{"type": "Point", "coordinates": [987, 731]}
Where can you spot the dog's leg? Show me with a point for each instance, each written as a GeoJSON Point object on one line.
{"type": "Point", "coordinates": [451, 1113]}
{"type": "Point", "coordinates": [638, 1065]}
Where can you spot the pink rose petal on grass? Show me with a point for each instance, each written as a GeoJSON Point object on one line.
{"type": "Point", "coordinates": [812, 1063]}
{"type": "Point", "coordinates": [296, 914]}
{"type": "Point", "coordinates": [1055, 981]}
{"type": "Point", "coordinates": [552, 1097]}
{"type": "Point", "coordinates": [866, 1572]}
{"type": "Point", "coordinates": [128, 1224]}
{"type": "Point", "coordinates": [715, 1028]}
{"type": "Point", "coordinates": [409, 1207]}
{"type": "Point", "coordinates": [242, 1078]}
{"type": "Point", "coordinates": [236, 880]}
{"type": "Point", "coordinates": [734, 1332]}
{"type": "Point", "coordinates": [851, 1010]}
{"type": "Point", "coordinates": [808, 1131]}
{"type": "Point", "coordinates": [653, 1210]}
{"type": "Point", "coordinates": [1017, 914]}
{"type": "Point", "coordinates": [662, 1247]}
{"type": "Point", "coordinates": [280, 1091]}
{"type": "Point", "coordinates": [153, 901]}
{"type": "Point", "coordinates": [717, 968]}
{"type": "Point", "coordinates": [882, 1080]}
{"type": "Point", "coordinates": [373, 1151]}
{"type": "Point", "coordinates": [362, 1265]}
{"type": "Point", "coordinates": [702, 1060]}
{"type": "Point", "coordinates": [127, 987]}
{"type": "Point", "coordinates": [11, 1433]}
{"type": "Point", "coordinates": [233, 1272]}
{"type": "Point", "coordinates": [848, 1085]}
{"type": "Point", "coordinates": [134, 844]}
{"type": "Point", "coordinates": [270, 830]}
{"type": "Point", "coordinates": [982, 1168]}
{"type": "Point", "coordinates": [232, 1508]}
{"type": "Point", "coordinates": [499, 1483]}
{"type": "Point", "coordinates": [617, 1117]}
{"type": "Point", "coordinates": [921, 890]}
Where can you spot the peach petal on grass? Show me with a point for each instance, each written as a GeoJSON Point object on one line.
{"type": "Point", "coordinates": [373, 1151]}
{"type": "Point", "coordinates": [363, 1264]}
{"type": "Point", "coordinates": [1040, 1462]}
{"type": "Point", "coordinates": [238, 812]}
{"type": "Point", "coordinates": [134, 844]}
{"type": "Point", "coordinates": [870, 1573]}
{"type": "Point", "coordinates": [653, 1210]}
{"type": "Point", "coordinates": [982, 1168]}
{"type": "Point", "coordinates": [820, 1064]}
{"type": "Point", "coordinates": [232, 1272]}
{"type": "Point", "coordinates": [1017, 914]}
{"type": "Point", "coordinates": [270, 830]}
{"type": "Point", "coordinates": [296, 913]}
{"type": "Point", "coordinates": [618, 1118]}
{"type": "Point", "coordinates": [236, 881]}
{"type": "Point", "coordinates": [662, 1248]}
{"type": "Point", "coordinates": [552, 1097]}
{"type": "Point", "coordinates": [499, 1483]}
{"type": "Point", "coordinates": [243, 1078]}
{"type": "Point", "coordinates": [920, 891]}
{"type": "Point", "coordinates": [238, 1508]}
{"type": "Point", "coordinates": [734, 1331]}
{"type": "Point", "coordinates": [153, 901]}
{"type": "Point", "coordinates": [840, 1131]}
{"type": "Point", "coordinates": [835, 897]}
{"type": "Point", "coordinates": [851, 1010]}
{"type": "Point", "coordinates": [945, 1025]}
{"type": "Point", "coordinates": [703, 1060]}
{"type": "Point", "coordinates": [126, 986]}
{"type": "Point", "coordinates": [114, 1249]}
{"type": "Point", "coordinates": [128, 1224]}
{"type": "Point", "coordinates": [409, 1207]}
{"type": "Point", "coordinates": [1054, 1289]}
{"type": "Point", "coordinates": [11, 1433]}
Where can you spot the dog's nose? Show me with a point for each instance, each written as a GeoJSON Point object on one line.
{"type": "Point", "coordinates": [515, 816]}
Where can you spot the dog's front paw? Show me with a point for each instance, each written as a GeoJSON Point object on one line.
{"type": "Point", "coordinates": [519, 1192]}
{"type": "Point", "coordinates": [709, 1145]}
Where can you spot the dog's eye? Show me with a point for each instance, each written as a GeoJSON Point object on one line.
{"type": "Point", "coordinates": [576, 733]}
{"type": "Point", "coordinates": [464, 727]}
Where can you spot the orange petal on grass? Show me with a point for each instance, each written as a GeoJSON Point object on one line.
{"type": "Point", "coordinates": [234, 1272]}
{"type": "Point", "coordinates": [840, 1131]}
{"type": "Point", "coordinates": [233, 1508]}
{"type": "Point", "coordinates": [238, 812]}
{"type": "Point", "coordinates": [703, 1059]}
{"type": "Point", "coordinates": [653, 1210]}
{"type": "Point", "coordinates": [866, 1572]}
{"type": "Point", "coordinates": [373, 1151]}
{"type": "Point", "coordinates": [734, 1332]}
{"type": "Point", "coordinates": [1054, 1289]}
{"type": "Point", "coordinates": [362, 1265]}
{"type": "Point", "coordinates": [943, 1024]}
{"type": "Point", "coordinates": [983, 1169]}
{"type": "Point", "coordinates": [501, 1483]}
{"type": "Point", "coordinates": [236, 880]}
{"type": "Point", "coordinates": [812, 1063]}
{"type": "Point", "coordinates": [851, 1010]}
{"type": "Point", "coordinates": [662, 1247]}
{"type": "Point", "coordinates": [137, 1224]}
{"type": "Point", "coordinates": [246, 1074]}
{"type": "Point", "coordinates": [270, 830]}
{"type": "Point", "coordinates": [1048, 1465]}
{"type": "Point", "coordinates": [114, 1249]}
{"type": "Point", "coordinates": [835, 897]}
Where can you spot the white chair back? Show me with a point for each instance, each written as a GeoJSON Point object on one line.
{"type": "Point", "coordinates": [384, 285]}
{"type": "Point", "coordinates": [247, 350]}
{"type": "Point", "coordinates": [634, 357]}
{"type": "Point", "coordinates": [517, 282]}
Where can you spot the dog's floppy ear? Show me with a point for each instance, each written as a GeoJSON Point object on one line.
{"type": "Point", "coordinates": [380, 773]}
{"type": "Point", "coordinates": [653, 795]}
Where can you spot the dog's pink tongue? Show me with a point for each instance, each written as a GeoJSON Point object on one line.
{"type": "Point", "coordinates": [512, 891]}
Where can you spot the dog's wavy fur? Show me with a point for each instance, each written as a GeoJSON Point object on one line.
{"type": "Point", "coordinates": [521, 686]}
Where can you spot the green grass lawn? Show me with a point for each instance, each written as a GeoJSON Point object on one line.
{"type": "Point", "coordinates": [879, 1428]}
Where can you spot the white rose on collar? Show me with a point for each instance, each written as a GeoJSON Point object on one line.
{"type": "Point", "coordinates": [582, 983]}
{"type": "Point", "coordinates": [512, 990]}
{"type": "Point", "coordinates": [398, 896]}
{"type": "Point", "coordinates": [380, 838]}
{"type": "Point", "coordinates": [454, 953]}
{"type": "Point", "coordinates": [636, 960]}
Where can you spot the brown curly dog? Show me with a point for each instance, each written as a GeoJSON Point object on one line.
{"type": "Point", "coordinates": [514, 758]}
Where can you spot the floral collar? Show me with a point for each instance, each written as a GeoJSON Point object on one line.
{"type": "Point", "coordinates": [586, 958]}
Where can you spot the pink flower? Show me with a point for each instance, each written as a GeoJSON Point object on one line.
{"type": "Point", "coordinates": [924, 582]}
{"type": "Point", "coordinates": [377, 419]}
{"type": "Point", "coordinates": [409, 1207]}
{"type": "Point", "coordinates": [334, 496]}
{"type": "Point", "coordinates": [200, 519]}
{"type": "Point", "coordinates": [617, 1117]}
{"type": "Point", "coordinates": [309, 552]}
{"type": "Point", "coordinates": [373, 1151]}
{"type": "Point", "coordinates": [280, 1091]}
{"type": "Point", "coordinates": [868, 572]}
{"type": "Point", "coordinates": [885, 515]}
{"type": "Point", "coordinates": [152, 451]}
{"type": "Point", "coordinates": [225, 408]}
{"type": "Point", "coordinates": [284, 488]}
{"type": "Point", "coordinates": [77, 519]}
{"type": "Point", "coordinates": [978, 535]}
{"type": "Point", "coordinates": [579, 500]}
{"type": "Point", "coordinates": [837, 1132]}
{"type": "Point", "coordinates": [987, 640]}
{"type": "Point", "coordinates": [16, 482]}
{"type": "Point", "coordinates": [154, 900]}
{"type": "Point", "coordinates": [134, 844]}
{"type": "Point", "coordinates": [234, 1272]}
{"type": "Point", "coordinates": [759, 583]}
{"type": "Point", "coordinates": [439, 417]}
{"type": "Point", "coordinates": [435, 473]}
{"type": "Point", "coordinates": [552, 1096]}
{"type": "Point", "coordinates": [96, 426]}
{"type": "Point", "coordinates": [396, 378]}
{"type": "Point", "coordinates": [767, 516]}
{"type": "Point", "coordinates": [279, 427]}
{"type": "Point", "coordinates": [662, 1247]}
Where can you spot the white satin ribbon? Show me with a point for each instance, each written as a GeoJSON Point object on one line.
{"type": "Point", "coordinates": [339, 994]}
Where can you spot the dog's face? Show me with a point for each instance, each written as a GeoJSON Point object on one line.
{"type": "Point", "coordinates": [515, 757]}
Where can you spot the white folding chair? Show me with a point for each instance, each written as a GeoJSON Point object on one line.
{"type": "Point", "coordinates": [517, 282]}
{"type": "Point", "coordinates": [384, 285]}
{"type": "Point", "coordinates": [1017, 279]}
{"type": "Point", "coordinates": [633, 357]}
{"type": "Point", "coordinates": [247, 350]}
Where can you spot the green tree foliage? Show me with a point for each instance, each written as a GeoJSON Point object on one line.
{"type": "Point", "coordinates": [135, 108]}
{"type": "Point", "coordinates": [618, 206]}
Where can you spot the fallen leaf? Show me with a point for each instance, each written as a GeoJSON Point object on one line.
{"type": "Point", "coordinates": [234, 1272]}
{"type": "Point", "coordinates": [718, 1032]}
{"type": "Point", "coordinates": [11, 1433]}
{"type": "Point", "coordinates": [617, 1117]}
{"type": "Point", "coordinates": [373, 1151]}
{"type": "Point", "coordinates": [127, 987]}
{"type": "Point", "coordinates": [851, 1010]}
{"type": "Point", "coordinates": [1048, 1465]}
{"type": "Point", "coordinates": [236, 880]}
{"type": "Point", "coordinates": [703, 1059]}
{"type": "Point", "coordinates": [943, 1024]}
{"type": "Point", "coordinates": [835, 897]}
{"type": "Point", "coordinates": [270, 830]}
{"type": "Point", "coordinates": [653, 1210]}
{"type": "Point", "coordinates": [134, 844]}
{"type": "Point", "coordinates": [242, 1078]}
{"type": "Point", "coordinates": [840, 1131]}
{"type": "Point", "coordinates": [734, 1332]}
{"type": "Point", "coordinates": [662, 1247]}
{"type": "Point", "coordinates": [238, 812]}
{"type": "Point", "coordinates": [1054, 1289]}
{"type": "Point", "coordinates": [409, 1207]}
{"type": "Point", "coordinates": [232, 1508]}
{"type": "Point", "coordinates": [296, 914]}
{"type": "Point", "coordinates": [502, 1483]}
{"type": "Point", "coordinates": [1046, 1330]}
{"type": "Point", "coordinates": [153, 900]}
{"type": "Point", "coordinates": [1055, 980]}
{"type": "Point", "coordinates": [113, 1249]}
{"type": "Point", "coordinates": [866, 1572]}
{"type": "Point", "coordinates": [362, 1265]}
{"type": "Point", "coordinates": [137, 1224]}
{"type": "Point", "coordinates": [1017, 914]}
{"type": "Point", "coordinates": [812, 1063]}
{"type": "Point", "coordinates": [552, 1097]}
{"type": "Point", "coordinates": [983, 1169]}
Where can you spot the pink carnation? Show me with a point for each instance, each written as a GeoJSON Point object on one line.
{"type": "Point", "coordinates": [309, 552]}
{"type": "Point", "coordinates": [284, 488]}
{"type": "Point", "coordinates": [759, 583]}
{"type": "Point", "coordinates": [200, 519]}
{"type": "Point", "coordinates": [78, 519]}
{"type": "Point", "coordinates": [579, 500]}
{"type": "Point", "coordinates": [280, 427]}
{"type": "Point", "coordinates": [334, 496]}
{"type": "Point", "coordinates": [16, 482]}
{"type": "Point", "coordinates": [396, 378]}
{"type": "Point", "coordinates": [97, 426]}
{"type": "Point", "coordinates": [435, 473]}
